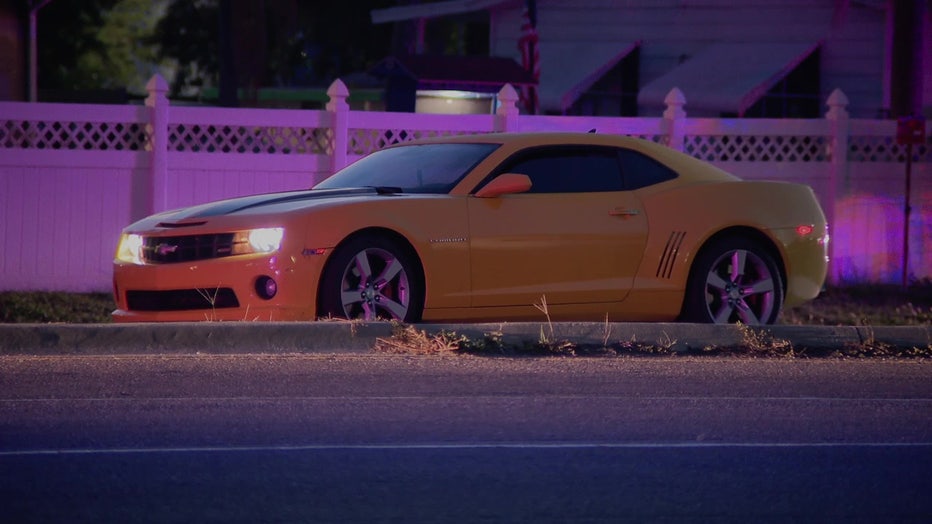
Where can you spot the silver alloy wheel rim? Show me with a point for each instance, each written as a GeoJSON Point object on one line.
{"type": "Point", "coordinates": [740, 287]}
{"type": "Point", "coordinates": [375, 286]}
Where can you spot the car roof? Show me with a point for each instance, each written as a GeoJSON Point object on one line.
{"type": "Point", "coordinates": [688, 167]}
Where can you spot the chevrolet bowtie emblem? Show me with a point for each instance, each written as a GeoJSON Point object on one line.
{"type": "Point", "coordinates": [165, 249]}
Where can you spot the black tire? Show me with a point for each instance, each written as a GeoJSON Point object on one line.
{"type": "Point", "coordinates": [733, 280]}
{"type": "Point", "coordinates": [384, 276]}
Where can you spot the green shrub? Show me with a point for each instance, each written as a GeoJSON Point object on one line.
{"type": "Point", "coordinates": [52, 306]}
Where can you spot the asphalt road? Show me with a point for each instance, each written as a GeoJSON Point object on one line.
{"type": "Point", "coordinates": [369, 438]}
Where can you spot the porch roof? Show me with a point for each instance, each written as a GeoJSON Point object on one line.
{"type": "Point", "coordinates": [567, 71]}
{"type": "Point", "coordinates": [431, 10]}
{"type": "Point", "coordinates": [727, 77]}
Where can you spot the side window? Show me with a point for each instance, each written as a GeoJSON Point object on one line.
{"type": "Point", "coordinates": [639, 170]}
{"type": "Point", "coordinates": [568, 169]}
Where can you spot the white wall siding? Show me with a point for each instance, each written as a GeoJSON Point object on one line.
{"type": "Point", "coordinates": [61, 224]}
{"type": "Point", "coordinates": [195, 178]}
{"type": "Point", "coordinates": [853, 35]}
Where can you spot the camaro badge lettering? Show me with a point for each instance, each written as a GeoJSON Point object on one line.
{"type": "Point", "coordinates": [447, 240]}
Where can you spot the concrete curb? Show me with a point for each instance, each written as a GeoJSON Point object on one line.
{"type": "Point", "coordinates": [190, 337]}
{"type": "Point", "coordinates": [360, 338]}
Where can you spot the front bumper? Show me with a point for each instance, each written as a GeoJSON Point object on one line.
{"type": "Point", "coordinates": [222, 289]}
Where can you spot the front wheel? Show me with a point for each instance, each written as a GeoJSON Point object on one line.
{"type": "Point", "coordinates": [733, 280]}
{"type": "Point", "coordinates": [371, 278]}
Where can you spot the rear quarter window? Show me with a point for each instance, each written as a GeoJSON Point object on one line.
{"type": "Point", "coordinates": [639, 170]}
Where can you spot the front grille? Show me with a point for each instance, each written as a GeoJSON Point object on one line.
{"type": "Point", "coordinates": [167, 250]}
{"type": "Point", "coordinates": [181, 299]}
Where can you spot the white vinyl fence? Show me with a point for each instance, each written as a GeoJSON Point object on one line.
{"type": "Point", "coordinates": [73, 175]}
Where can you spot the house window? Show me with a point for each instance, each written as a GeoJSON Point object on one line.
{"type": "Point", "coordinates": [796, 96]}
{"type": "Point", "coordinates": [463, 34]}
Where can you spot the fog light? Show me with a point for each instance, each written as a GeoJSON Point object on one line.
{"type": "Point", "coordinates": [266, 287]}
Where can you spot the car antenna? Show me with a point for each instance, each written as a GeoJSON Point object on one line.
{"type": "Point", "coordinates": [592, 130]}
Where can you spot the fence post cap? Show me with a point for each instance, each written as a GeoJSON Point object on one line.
{"type": "Point", "coordinates": [675, 98]}
{"type": "Point", "coordinates": [157, 84]}
{"type": "Point", "coordinates": [507, 101]}
{"type": "Point", "coordinates": [837, 102]}
{"type": "Point", "coordinates": [337, 90]}
{"type": "Point", "coordinates": [507, 93]}
{"type": "Point", "coordinates": [838, 98]}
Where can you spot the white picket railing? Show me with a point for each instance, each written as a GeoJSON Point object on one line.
{"type": "Point", "coordinates": [72, 175]}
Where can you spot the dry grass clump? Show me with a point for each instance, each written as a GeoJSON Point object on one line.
{"type": "Point", "coordinates": [410, 340]}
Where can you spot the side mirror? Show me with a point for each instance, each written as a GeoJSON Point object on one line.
{"type": "Point", "coordinates": [505, 184]}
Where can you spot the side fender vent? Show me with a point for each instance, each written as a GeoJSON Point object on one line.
{"type": "Point", "coordinates": [670, 251]}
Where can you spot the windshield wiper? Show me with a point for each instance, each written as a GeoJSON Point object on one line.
{"type": "Point", "coordinates": [387, 190]}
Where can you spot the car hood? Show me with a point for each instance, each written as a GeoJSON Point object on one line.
{"type": "Point", "coordinates": [270, 203]}
{"type": "Point", "coordinates": [255, 203]}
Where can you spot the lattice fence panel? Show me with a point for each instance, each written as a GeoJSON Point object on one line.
{"type": "Point", "coordinates": [203, 138]}
{"type": "Point", "coordinates": [91, 136]}
{"type": "Point", "coordinates": [660, 139]}
{"type": "Point", "coordinates": [756, 148]}
{"type": "Point", "coordinates": [365, 141]}
{"type": "Point", "coordinates": [884, 149]}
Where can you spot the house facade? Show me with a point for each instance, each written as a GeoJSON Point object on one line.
{"type": "Point", "coordinates": [744, 58]}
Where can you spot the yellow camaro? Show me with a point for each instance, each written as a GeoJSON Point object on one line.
{"type": "Point", "coordinates": [487, 228]}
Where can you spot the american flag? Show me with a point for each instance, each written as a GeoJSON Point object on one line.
{"type": "Point", "coordinates": [530, 56]}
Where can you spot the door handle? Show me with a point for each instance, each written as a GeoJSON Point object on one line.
{"type": "Point", "coordinates": [624, 212]}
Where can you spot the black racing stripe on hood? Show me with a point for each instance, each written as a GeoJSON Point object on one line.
{"type": "Point", "coordinates": [227, 207]}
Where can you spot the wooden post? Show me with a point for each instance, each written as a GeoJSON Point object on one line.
{"type": "Point", "coordinates": [507, 111]}
{"type": "Point", "coordinates": [837, 115]}
{"type": "Point", "coordinates": [339, 137]}
{"type": "Point", "coordinates": [907, 212]}
{"type": "Point", "coordinates": [674, 119]}
{"type": "Point", "coordinates": [158, 104]}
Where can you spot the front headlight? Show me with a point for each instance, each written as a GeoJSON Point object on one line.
{"type": "Point", "coordinates": [130, 248]}
{"type": "Point", "coordinates": [265, 240]}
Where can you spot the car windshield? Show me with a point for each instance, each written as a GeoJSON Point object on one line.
{"type": "Point", "coordinates": [423, 168]}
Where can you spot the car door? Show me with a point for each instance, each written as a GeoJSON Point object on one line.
{"type": "Point", "coordinates": [575, 237]}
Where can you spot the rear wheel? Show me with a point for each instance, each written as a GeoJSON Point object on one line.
{"type": "Point", "coordinates": [372, 278]}
{"type": "Point", "coordinates": [734, 280]}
